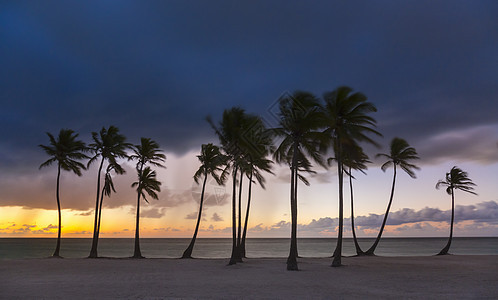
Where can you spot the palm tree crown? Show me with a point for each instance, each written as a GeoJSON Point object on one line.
{"type": "Point", "coordinates": [109, 144]}
{"type": "Point", "coordinates": [400, 155]}
{"type": "Point", "coordinates": [147, 152]}
{"type": "Point", "coordinates": [147, 184]}
{"type": "Point", "coordinates": [66, 150]}
{"type": "Point", "coordinates": [457, 179]}
{"type": "Point", "coordinates": [212, 161]}
{"type": "Point", "coordinates": [347, 116]}
{"type": "Point", "coordinates": [300, 120]}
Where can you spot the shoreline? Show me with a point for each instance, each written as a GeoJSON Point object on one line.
{"type": "Point", "coordinates": [415, 277]}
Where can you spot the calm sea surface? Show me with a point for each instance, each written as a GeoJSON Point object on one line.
{"type": "Point", "coordinates": [220, 248]}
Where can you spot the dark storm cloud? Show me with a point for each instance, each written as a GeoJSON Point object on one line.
{"type": "Point", "coordinates": [157, 68]}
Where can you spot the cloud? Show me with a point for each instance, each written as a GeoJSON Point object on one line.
{"type": "Point", "coordinates": [194, 215]}
{"type": "Point", "coordinates": [153, 213]}
{"type": "Point", "coordinates": [216, 218]}
{"type": "Point", "coordinates": [481, 212]}
{"type": "Point", "coordinates": [476, 143]}
{"type": "Point", "coordinates": [406, 219]}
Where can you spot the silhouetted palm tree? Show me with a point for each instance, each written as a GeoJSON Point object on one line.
{"type": "Point", "coordinates": [354, 159]}
{"type": "Point", "coordinates": [109, 145]}
{"type": "Point", "coordinates": [147, 152]}
{"type": "Point", "coordinates": [300, 119]}
{"type": "Point", "coordinates": [456, 179]}
{"type": "Point", "coordinates": [66, 151]}
{"type": "Point", "coordinates": [230, 132]}
{"type": "Point", "coordinates": [212, 162]}
{"type": "Point", "coordinates": [107, 189]}
{"type": "Point", "coordinates": [146, 184]}
{"type": "Point", "coordinates": [347, 122]}
{"type": "Point", "coordinates": [400, 155]}
{"type": "Point", "coordinates": [260, 145]}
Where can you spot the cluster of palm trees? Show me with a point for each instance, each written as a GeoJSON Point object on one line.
{"type": "Point", "coordinates": [109, 146]}
{"type": "Point", "coordinates": [310, 130]}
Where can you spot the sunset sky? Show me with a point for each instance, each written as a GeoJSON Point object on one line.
{"type": "Point", "coordinates": [158, 68]}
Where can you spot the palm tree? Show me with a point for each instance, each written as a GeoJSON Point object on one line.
{"type": "Point", "coordinates": [456, 179]}
{"type": "Point", "coordinates": [347, 122]}
{"type": "Point", "coordinates": [108, 145]}
{"type": "Point", "coordinates": [400, 155]}
{"type": "Point", "coordinates": [230, 132]}
{"type": "Point", "coordinates": [212, 161]}
{"type": "Point", "coordinates": [108, 188]}
{"type": "Point", "coordinates": [300, 119]}
{"type": "Point", "coordinates": [354, 159]}
{"type": "Point", "coordinates": [260, 145]}
{"type": "Point", "coordinates": [147, 152]}
{"type": "Point", "coordinates": [146, 184]}
{"type": "Point", "coordinates": [66, 150]}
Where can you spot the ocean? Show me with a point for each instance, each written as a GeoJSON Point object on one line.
{"type": "Point", "coordinates": [14, 248]}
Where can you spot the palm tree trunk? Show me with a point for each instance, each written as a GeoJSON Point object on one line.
{"type": "Point", "coordinates": [372, 249]}
{"type": "Point", "coordinates": [93, 251]}
{"type": "Point", "coordinates": [137, 253]}
{"type": "Point", "coordinates": [356, 245]}
{"type": "Point", "coordinates": [233, 258]}
{"type": "Point", "coordinates": [100, 216]}
{"type": "Point", "coordinates": [292, 259]}
{"type": "Point", "coordinates": [239, 229]}
{"type": "Point", "coordinates": [242, 246]}
{"type": "Point", "coordinates": [296, 180]}
{"type": "Point", "coordinates": [447, 247]}
{"type": "Point", "coordinates": [190, 248]}
{"type": "Point", "coordinates": [336, 262]}
{"type": "Point", "coordinates": [58, 246]}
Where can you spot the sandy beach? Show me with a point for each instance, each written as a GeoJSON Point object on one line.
{"type": "Point", "coordinates": [449, 277]}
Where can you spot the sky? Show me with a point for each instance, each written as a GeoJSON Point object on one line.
{"type": "Point", "coordinates": [158, 68]}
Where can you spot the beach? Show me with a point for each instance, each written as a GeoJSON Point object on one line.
{"type": "Point", "coordinates": [428, 277]}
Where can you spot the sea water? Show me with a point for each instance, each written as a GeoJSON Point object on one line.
{"type": "Point", "coordinates": [12, 248]}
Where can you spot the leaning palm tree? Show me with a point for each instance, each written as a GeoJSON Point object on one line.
{"type": "Point", "coordinates": [146, 184]}
{"type": "Point", "coordinates": [147, 152]}
{"type": "Point", "coordinates": [456, 179]}
{"type": "Point", "coordinates": [66, 151]}
{"type": "Point", "coordinates": [107, 189]}
{"type": "Point", "coordinates": [260, 145]}
{"type": "Point", "coordinates": [347, 122]}
{"type": "Point", "coordinates": [212, 162]}
{"type": "Point", "coordinates": [300, 120]}
{"type": "Point", "coordinates": [400, 155]}
{"type": "Point", "coordinates": [354, 159]}
{"type": "Point", "coordinates": [108, 145]}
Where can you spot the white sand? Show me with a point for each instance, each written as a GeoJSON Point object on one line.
{"type": "Point", "coordinates": [433, 277]}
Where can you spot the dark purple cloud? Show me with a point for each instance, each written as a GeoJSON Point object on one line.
{"type": "Point", "coordinates": [158, 68]}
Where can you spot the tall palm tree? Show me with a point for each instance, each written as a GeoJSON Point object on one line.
{"type": "Point", "coordinates": [66, 151]}
{"type": "Point", "coordinates": [147, 152]}
{"type": "Point", "coordinates": [146, 184]}
{"type": "Point", "coordinates": [456, 179]}
{"type": "Point", "coordinates": [107, 189]}
{"type": "Point", "coordinates": [354, 159]}
{"type": "Point", "coordinates": [260, 145]}
{"type": "Point", "coordinates": [212, 162]}
{"type": "Point", "coordinates": [401, 155]}
{"type": "Point", "coordinates": [108, 145]}
{"type": "Point", "coordinates": [347, 122]}
{"type": "Point", "coordinates": [230, 132]}
{"type": "Point", "coordinates": [300, 120]}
